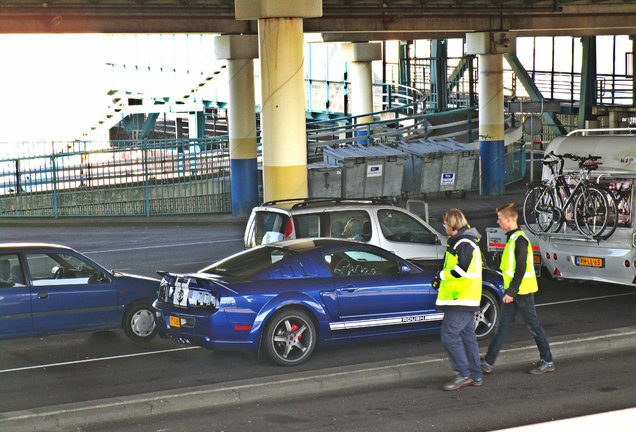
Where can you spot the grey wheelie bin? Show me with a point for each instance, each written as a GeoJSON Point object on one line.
{"type": "Point", "coordinates": [368, 171]}
{"type": "Point", "coordinates": [438, 166]}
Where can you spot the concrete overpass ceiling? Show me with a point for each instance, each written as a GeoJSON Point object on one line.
{"type": "Point", "coordinates": [341, 20]}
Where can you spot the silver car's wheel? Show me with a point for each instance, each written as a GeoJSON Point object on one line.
{"type": "Point", "coordinates": [289, 337]}
{"type": "Point", "coordinates": [139, 322]}
{"type": "Point", "coordinates": [488, 315]}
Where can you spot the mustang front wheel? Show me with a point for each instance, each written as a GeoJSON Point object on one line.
{"type": "Point", "coordinates": [290, 337]}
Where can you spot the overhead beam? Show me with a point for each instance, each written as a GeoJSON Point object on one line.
{"type": "Point", "coordinates": [374, 19]}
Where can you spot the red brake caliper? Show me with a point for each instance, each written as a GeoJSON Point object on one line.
{"type": "Point", "coordinates": [294, 328]}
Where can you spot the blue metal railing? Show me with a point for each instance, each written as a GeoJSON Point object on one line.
{"type": "Point", "coordinates": [119, 178]}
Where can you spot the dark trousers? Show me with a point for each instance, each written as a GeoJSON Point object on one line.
{"type": "Point", "coordinates": [458, 337]}
{"type": "Point", "coordinates": [524, 304]}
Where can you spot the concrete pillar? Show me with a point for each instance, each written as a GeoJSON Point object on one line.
{"type": "Point", "coordinates": [361, 55]}
{"type": "Point", "coordinates": [490, 47]}
{"type": "Point", "coordinates": [240, 52]}
{"type": "Point", "coordinates": [280, 31]}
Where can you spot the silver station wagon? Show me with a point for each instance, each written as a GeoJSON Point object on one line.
{"type": "Point", "coordinates": [372, 221]}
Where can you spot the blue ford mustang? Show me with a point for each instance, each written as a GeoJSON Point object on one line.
{"type": "Point", "coordinates": [287, 298]}
{"type": "Point", "coordinates": [52, 289]}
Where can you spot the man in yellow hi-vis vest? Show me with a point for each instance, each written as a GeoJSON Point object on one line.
{"type": "Point", "coordinates": [459, 285]}
{"type": "Point", "coordinates": [520, 284]}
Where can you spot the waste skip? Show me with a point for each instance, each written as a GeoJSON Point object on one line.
{"type": "Point", "coordinates": [438, 166]}
{"type": "Point", "coordinates": [368, 171]}
{"type": "Point", "coordinates": [325, 180]}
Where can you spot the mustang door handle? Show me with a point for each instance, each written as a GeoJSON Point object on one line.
{"type": "Point", "coordinates": [348, 288]}
{"type": "Point", "coordinates": [43, 295]}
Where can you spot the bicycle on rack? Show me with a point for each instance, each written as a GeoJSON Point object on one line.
{"type": "Point", "coordinates": [556, 202]}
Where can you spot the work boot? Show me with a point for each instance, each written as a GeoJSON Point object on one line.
{"type": "Point", "coordinates": [457, 382]}
{"type": "Point", "coordinates": [542, 367]}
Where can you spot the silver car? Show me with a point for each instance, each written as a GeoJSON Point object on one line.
{"type": "Point", "coordinates": [375, 222]}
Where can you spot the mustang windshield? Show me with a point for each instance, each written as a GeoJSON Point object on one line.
{"type": "Point", "coordinates": [246, 264]}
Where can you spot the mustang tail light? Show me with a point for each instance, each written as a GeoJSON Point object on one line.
{"type": "Point", "coordinates": [178, 293]}
{"type": "Point", "coordinates": [203, 299]}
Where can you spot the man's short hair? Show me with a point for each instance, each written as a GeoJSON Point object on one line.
{"type": "Point", "coordinates": [455, 219]}
{"type": "Point", "coordinates": [508, 211]}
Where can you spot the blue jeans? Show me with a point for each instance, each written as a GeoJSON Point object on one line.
{"type": "Point", "coordinates": [524, 304]}
{"type": "Point", "coordinates": [458, 337]}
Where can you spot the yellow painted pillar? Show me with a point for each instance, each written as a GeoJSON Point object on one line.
{"type": "Point", "coordinates": [283, 135]}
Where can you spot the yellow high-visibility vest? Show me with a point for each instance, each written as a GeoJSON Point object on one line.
{"type": "Point", "coordinates": [508, 264]}
{"type": "Point", "coordinates": [466, 289]}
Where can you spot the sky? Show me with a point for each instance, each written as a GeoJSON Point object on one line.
{"type": "Point", "coordinates": [54, 87]}
{"type": "Point", "coordinates": [50, 86]}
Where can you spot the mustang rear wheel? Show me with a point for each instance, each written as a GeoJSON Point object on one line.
{"type": "Point", "coordinates": [488, 315]}
{"type": "Point", "coordinates": [289, 337]}
{"type": "Point", "coordinates": [139, 322]}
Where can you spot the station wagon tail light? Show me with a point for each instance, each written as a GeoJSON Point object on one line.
{"type": "Point", "coordinates": [627, 263]}
{"type": "Point", "coordinates": [288, 229]}
{"type": "Point", "coordinates": [547, 255]}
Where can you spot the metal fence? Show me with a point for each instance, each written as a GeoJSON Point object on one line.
{"type": "Point", "coordinates": [119, 178]}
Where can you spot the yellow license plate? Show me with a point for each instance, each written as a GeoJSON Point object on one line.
{"type": "Point", "coordinates": [590, 261]}
{"type": "Point", "coordinates": [537, 259]}
{"type": "Point", "coordinates": [175, 321]}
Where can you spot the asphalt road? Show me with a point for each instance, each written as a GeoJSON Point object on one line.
{"type": "Point", "coordinates": [508, 398]}
{"type": "Point", "coordinates": [44, 371]}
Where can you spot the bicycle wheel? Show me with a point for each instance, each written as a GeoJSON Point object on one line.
{"type": "Point", "coordinates": [591, 212]}
{"type": "Point", "coordinates": [538, 209]}
{"type": "Point", "coordinates": [612, 214]}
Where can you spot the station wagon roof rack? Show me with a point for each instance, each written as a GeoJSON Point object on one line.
{"type": "Point", "coordinates": [307, 202]}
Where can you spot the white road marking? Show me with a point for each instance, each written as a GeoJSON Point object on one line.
{"type": "Point", "coordinates": [91, 360]}
{"type": "Point", "coordinates": [167, 245]}
{"type": "Point", "coordinates": [585, 299]}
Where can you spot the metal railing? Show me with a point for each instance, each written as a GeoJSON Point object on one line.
{"type": "Point", "coordinates": [118, 178]}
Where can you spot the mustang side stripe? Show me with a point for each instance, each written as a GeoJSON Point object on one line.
{"type": "Point", "coordinates": [348, 325]}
